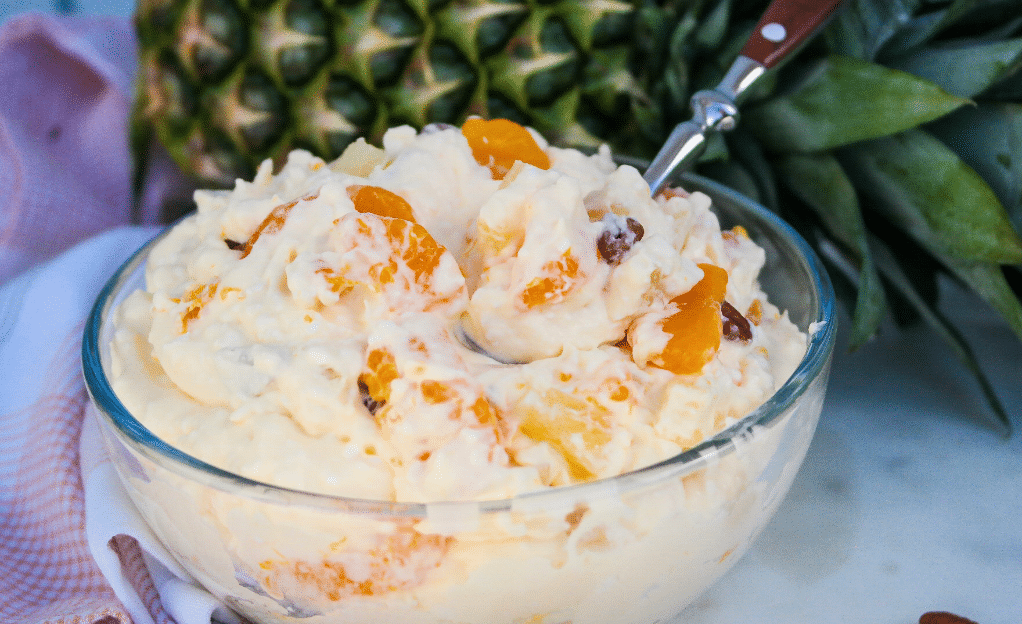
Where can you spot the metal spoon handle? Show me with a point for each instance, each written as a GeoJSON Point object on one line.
{"type": "Point", "coordinates": [783, 27]}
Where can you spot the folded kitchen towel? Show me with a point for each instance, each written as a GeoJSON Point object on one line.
{"type": "Point", "coordinates": [72, 545]}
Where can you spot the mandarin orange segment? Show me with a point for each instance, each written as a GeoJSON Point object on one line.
{"type": "Point", "coordinates": [381, 371]}
{"type": "Point", "coordinates": [486, 413]}
{"type": "Point", "coordinates": [419, 250]}
{"type": "Point", "coordinates": [395, 256]}
{"type": "Point", "coordinates": [498, 143]}
{"type": "Point", "coordinates": [695, 329]}
{"type": "Point", "coordinates": [383, 273]}
{"type": "Point", "coordinates": [338, 283]}
{"type": "Point", "coordinates": [380, 202]}
{"type": "Point", "coordinates": [436, 392]}
{"type": "Point", "coordinates": [489, 417]}
{"type": "Point", "coordinates": [274, 221]}
{"type": "Point", "coordinates": [562, 275]}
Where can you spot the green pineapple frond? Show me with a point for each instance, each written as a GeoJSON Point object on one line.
{"type": "Point", "coordinates": [897, 131]}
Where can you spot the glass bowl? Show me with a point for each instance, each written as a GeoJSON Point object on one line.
{"type": "Point", "coordinates": [634, 549]}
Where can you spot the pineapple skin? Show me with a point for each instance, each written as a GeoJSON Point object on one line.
{"type": "Point", "coordinates": [225, 84]}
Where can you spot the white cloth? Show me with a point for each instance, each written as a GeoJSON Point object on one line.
{"type": "Point", "coordinates": [73, 549]}
{"type": "Point", "coordinates": [43, 315]}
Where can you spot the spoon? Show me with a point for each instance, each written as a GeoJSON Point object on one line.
{"type": "Point", "coordinates": [783, 27]}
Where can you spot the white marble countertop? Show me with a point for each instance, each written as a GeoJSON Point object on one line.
{"type": "Point", "coordinates": [910, 498]}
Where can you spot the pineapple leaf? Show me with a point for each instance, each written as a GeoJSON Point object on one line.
{"type": "Point", "coordinates": [844, 100]}
{"type": "Point", "coordinates": [964, 68]}
{"type": "Point", "coordinates": [863, 27]}
{"type": "Point", "coordinates": [713, 26]}
{"type": "Point", "coordinates": [681, 36]}
{"type": "Point", "coordinates": [842, 275]}
{"type": "Point", "coordinates": [743, 148]}
{"type": "Point", "coordinates": [898, 280]}
{"type": "Point", "coordinates": [1009, 90]}
{"type": "Point", "coordinates": [995, 19]}
{"type": "Point", "coordinates": [734, 175]}
{"type": "Point", "coordinates": [923, 28]}
{"type": "Point", "coordinates": [944, 204]}
{"type": "Point", "coordinates": [716, 148]}
{"type": "Point", "coordinates": [820, 182]}
{"type": "Point", "coordinates": [988, 138]}
{"type": "Point", "coordinates": [988, 281]}
{"type": "Point", "coordinates": [870, 305]}
{"type": "Point", "coordinates": [918, 264]}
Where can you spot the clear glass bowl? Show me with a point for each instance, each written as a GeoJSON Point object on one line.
{"type": "Point", "coordinates": [634, 549]}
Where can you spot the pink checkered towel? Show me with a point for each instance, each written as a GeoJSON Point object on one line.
{"type": "Point", "coordinates": [71, 546]}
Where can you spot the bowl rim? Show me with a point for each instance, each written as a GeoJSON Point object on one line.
{"type": "Point", "coordinates": [821, 334]}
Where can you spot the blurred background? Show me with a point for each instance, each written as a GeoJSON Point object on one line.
{"type": "Point", "coordinates": [67, 7]}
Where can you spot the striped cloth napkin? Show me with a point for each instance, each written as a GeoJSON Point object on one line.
{"type": "Point", "coordinates": [72, 549]}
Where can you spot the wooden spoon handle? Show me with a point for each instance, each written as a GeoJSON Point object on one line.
{"type": "Point", "coordinates": [785, 25]}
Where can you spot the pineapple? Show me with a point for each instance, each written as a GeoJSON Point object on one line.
{"type": "Point", "coordinates": [892, 140]}
{"type": "Point", "coordinates": [228, 83]}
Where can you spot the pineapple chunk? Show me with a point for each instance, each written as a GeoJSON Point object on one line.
{"type": "Point", "coordinates": [576, 428]}
{"type": "Point", "coordinates": [359, 159]}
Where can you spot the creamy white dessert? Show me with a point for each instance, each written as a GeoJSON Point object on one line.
{"type": "Point", "coordinates": [463, 315]}
{"type": "Point", "coordinates": [501, 335]}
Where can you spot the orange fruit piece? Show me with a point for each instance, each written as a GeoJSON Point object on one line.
{"type": "Point", "coordinates": [374, 382]}
{"type": "Point", "coordinates": [541, 290]}
{"type": "Point", "coordinates": [419, 250]}
{"type": "Point", "coordinates": [398, 561]}
{"type": "Point", "coordinates": [195, 299]}
{"type": "Point", "coordinates": [695, 329]}
{"type": "Point", "coordinates": [380, 202]}
{"type": "Point", "coordinates": [338, 283]}
{"type": "Point", "coordinates": [274, 222]}
{"type": "Point", "coordinates": [436, 391]}
{"type": "Point", "coordinates": [394, 256]}
{"type": "Point", "coordinates": [498, 143]}
{"type": "Point", "coordinates": [486, 414]}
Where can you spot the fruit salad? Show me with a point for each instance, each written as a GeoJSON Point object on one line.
{"type": "Point", "coordinates": [461, 314]}
{"type": "Point", "coordinates": [436, 381]}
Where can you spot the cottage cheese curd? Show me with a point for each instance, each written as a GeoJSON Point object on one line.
{"type": "Point", "coordinates": [409, 324]}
